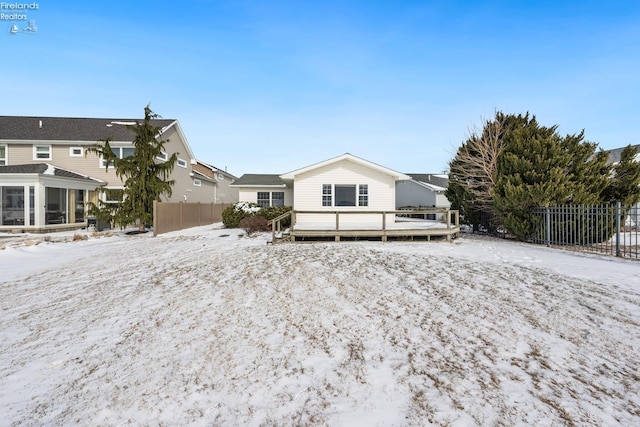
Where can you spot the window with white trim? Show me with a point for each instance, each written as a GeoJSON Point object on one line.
{"type": "Point", "coordinates": [326, 195]}
{"type": "Point", "coordinates": [220, 177]}
{"type": "Point", "coordinates": [263, 199]}
{"type": "Point", "coordinates": [197, 182]}
{"type": "Point", "coordinates": [277, 198]}
{"type": "Point", "coordinates": [182, 163]}
{"type": "Point", "coordinates": [113, 195]}
{"type": "Point", "coordinates": [121, 153]}
{"type": "Point", "coordinates": [363, 195]}
{"type": "Point", "coordinates": [41, 152]}
{"type": "Point", "coordinates": [76, 151]}
{"type": "Point", "coordinates": [3, 155]}
{"type": "Point", "coordinates": [345, 195]}
{"type": "Point", "coordinates": [162, 156]}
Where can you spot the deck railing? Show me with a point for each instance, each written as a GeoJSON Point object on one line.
{"type": "Point", "coordinates": [449, 218]}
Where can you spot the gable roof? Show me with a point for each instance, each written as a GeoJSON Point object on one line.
{"type": "Point", "coordinates": [349, 157]}
{"type": "Point", "coordinates": [46, 169]}
{"type": "Point", "coordinates": [258, 180]}
{"type": "Point", "coordinates": [430, 179]}
{"type": "Point", "coordinates": [20, 128]}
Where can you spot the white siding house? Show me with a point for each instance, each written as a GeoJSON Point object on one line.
{"type": "Point", "coordinates": [264, 190]}
{"type": "Point", "coordinates": [347, 184]}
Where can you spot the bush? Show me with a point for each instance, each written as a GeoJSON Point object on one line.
{"type": "Point", "coordinates": [232, 215]}
{"type": "Point", "coordinates": [274, 212]}
{"type": "Point", "coordinates": [252, 224]}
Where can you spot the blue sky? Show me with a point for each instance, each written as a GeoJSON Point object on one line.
{"type": "Point", "coordinates": [272, 86]}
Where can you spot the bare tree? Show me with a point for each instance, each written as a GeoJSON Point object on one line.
{"type": "Point", "coordinates": [474, 170]}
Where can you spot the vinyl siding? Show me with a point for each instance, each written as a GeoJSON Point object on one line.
{"type": "Point", "coordinates": [308, 193]}
{"type": "Point", "coordinates": [22, 153]}
{"type": "Point", "coordinates": [250, 194]}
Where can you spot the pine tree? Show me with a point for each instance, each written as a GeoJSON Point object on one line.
{"type": "Point", "coordinates": [145, 177]}
{"type": "Point", "coordinates": [540, 168]}
{"type": "Point", "coordinates": [624, 185]}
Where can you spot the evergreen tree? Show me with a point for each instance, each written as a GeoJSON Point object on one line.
{"type": "Point", "coordinates": [624, 185]}
{"type": "Point", "coordinates": [145, 177]}
{"type": "Point", "coordinates": [540, 168]}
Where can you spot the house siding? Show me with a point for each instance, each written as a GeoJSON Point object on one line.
{"type": "Point", "coordinates": [308, 193]}
{"type": "Point", "coordinates": [410, 193]}
{"type": "Point", "coordinates": [223, 193]}
{"type": "Point", "coordinates": [250, 194]}
{"type": "Point", "coordinates": [90, 165]}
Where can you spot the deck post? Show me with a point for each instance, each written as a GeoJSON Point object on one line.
{"type": "Point", "coordinates": [384, 226]}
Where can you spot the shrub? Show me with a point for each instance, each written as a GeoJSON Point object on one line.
{"type": "Point", "coordinates": [274, 212]}
{"type": "Point", "coordinates": [253, 224]}
{"type": "Point", "coordinates": [232, 215]}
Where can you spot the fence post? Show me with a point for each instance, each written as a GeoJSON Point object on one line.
{"type": "Point", "coordinates": [155, 218]}
{"type": "Point", "coordinates": [618, 229]}
{"type": "Point", "coordinates": [547, 215]}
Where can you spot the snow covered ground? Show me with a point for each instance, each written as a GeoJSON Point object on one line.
{"type": "Point", "coordinates": [203, 327]}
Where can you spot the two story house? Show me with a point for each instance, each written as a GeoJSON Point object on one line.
{"type": "Point", "coordinates": [47, 177]}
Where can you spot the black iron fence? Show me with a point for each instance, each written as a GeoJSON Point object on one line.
{"type": "Point", "coordinates": [611, 229]}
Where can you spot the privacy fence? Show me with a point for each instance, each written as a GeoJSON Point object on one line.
{"type": "Point", "coordinates": [609, 229]}
{"type": "Point", "coordinates": [178, 216]}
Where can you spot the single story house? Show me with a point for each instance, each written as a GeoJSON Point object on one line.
{"type": "Point", "coordinates": [345, 183]}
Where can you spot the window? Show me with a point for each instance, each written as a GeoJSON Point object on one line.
{"type": "Point", "coordinates": [326, 195]}
{"type": "Point", "coordinates": [41, 152]}
{"type": "Point", "coordinates": [220, 177]}
{"type": "Point", "coordinates": [113, 195]}
{"type": "Point", "coordinates": [182, 163]}
{"type": "Point", "coordinates": [345, 195]}
{"type": "Point", "coordinates": [263, 199]}
{"type": "Point", "coordinates": [12, 205]}
{"type": "Point", "coordinates": [121, 153]}
{"type": "Point", "coordinates": [162, 156]}
{"type": "Point", "coordinates": [363, 195]}
{"type": "Point", "coordinates": [76, 151]}
{"type": "Point", "coordinates": [55, 201]}
{"type": "Point", "coordinates": [78, 208]}
{"type": "Point", "coordinates": [3, 155]}
{"type": "Point", "coordinates": [197, 182]}
{"type": "Point", "coordinates": [277, 198]}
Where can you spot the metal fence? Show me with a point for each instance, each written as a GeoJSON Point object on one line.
{"type": "Point", "coordinates": [611, 229]}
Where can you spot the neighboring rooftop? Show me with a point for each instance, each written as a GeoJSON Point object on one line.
{"type": "Point", "coordinates": [257, 180]}
{"type": "Point", "coordinates": [19, 128]}
{"type": "Point", "coordinates": [614, 155]}
{"type": "Point", "coordinates": [440, 180]}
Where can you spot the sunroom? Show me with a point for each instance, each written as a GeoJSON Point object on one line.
{"type": "Point", "coordinates": [41, 197]}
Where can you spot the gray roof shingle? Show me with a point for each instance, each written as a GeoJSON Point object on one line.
{"type": "Point", "coordinates": [428, 178]}
{"type": "Point", "coordinates": [22, 128]}
{"type": "Point", "coordinates": [250, 179]}
{"type": "Point", "coordinates": [42, 168]}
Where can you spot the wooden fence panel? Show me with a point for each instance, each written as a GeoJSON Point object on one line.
{"type": "Point", "coordinates": [169, 216]}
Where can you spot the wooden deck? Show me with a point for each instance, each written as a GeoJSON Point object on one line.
{"type": "Point", "coordinates": [344, 225]}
